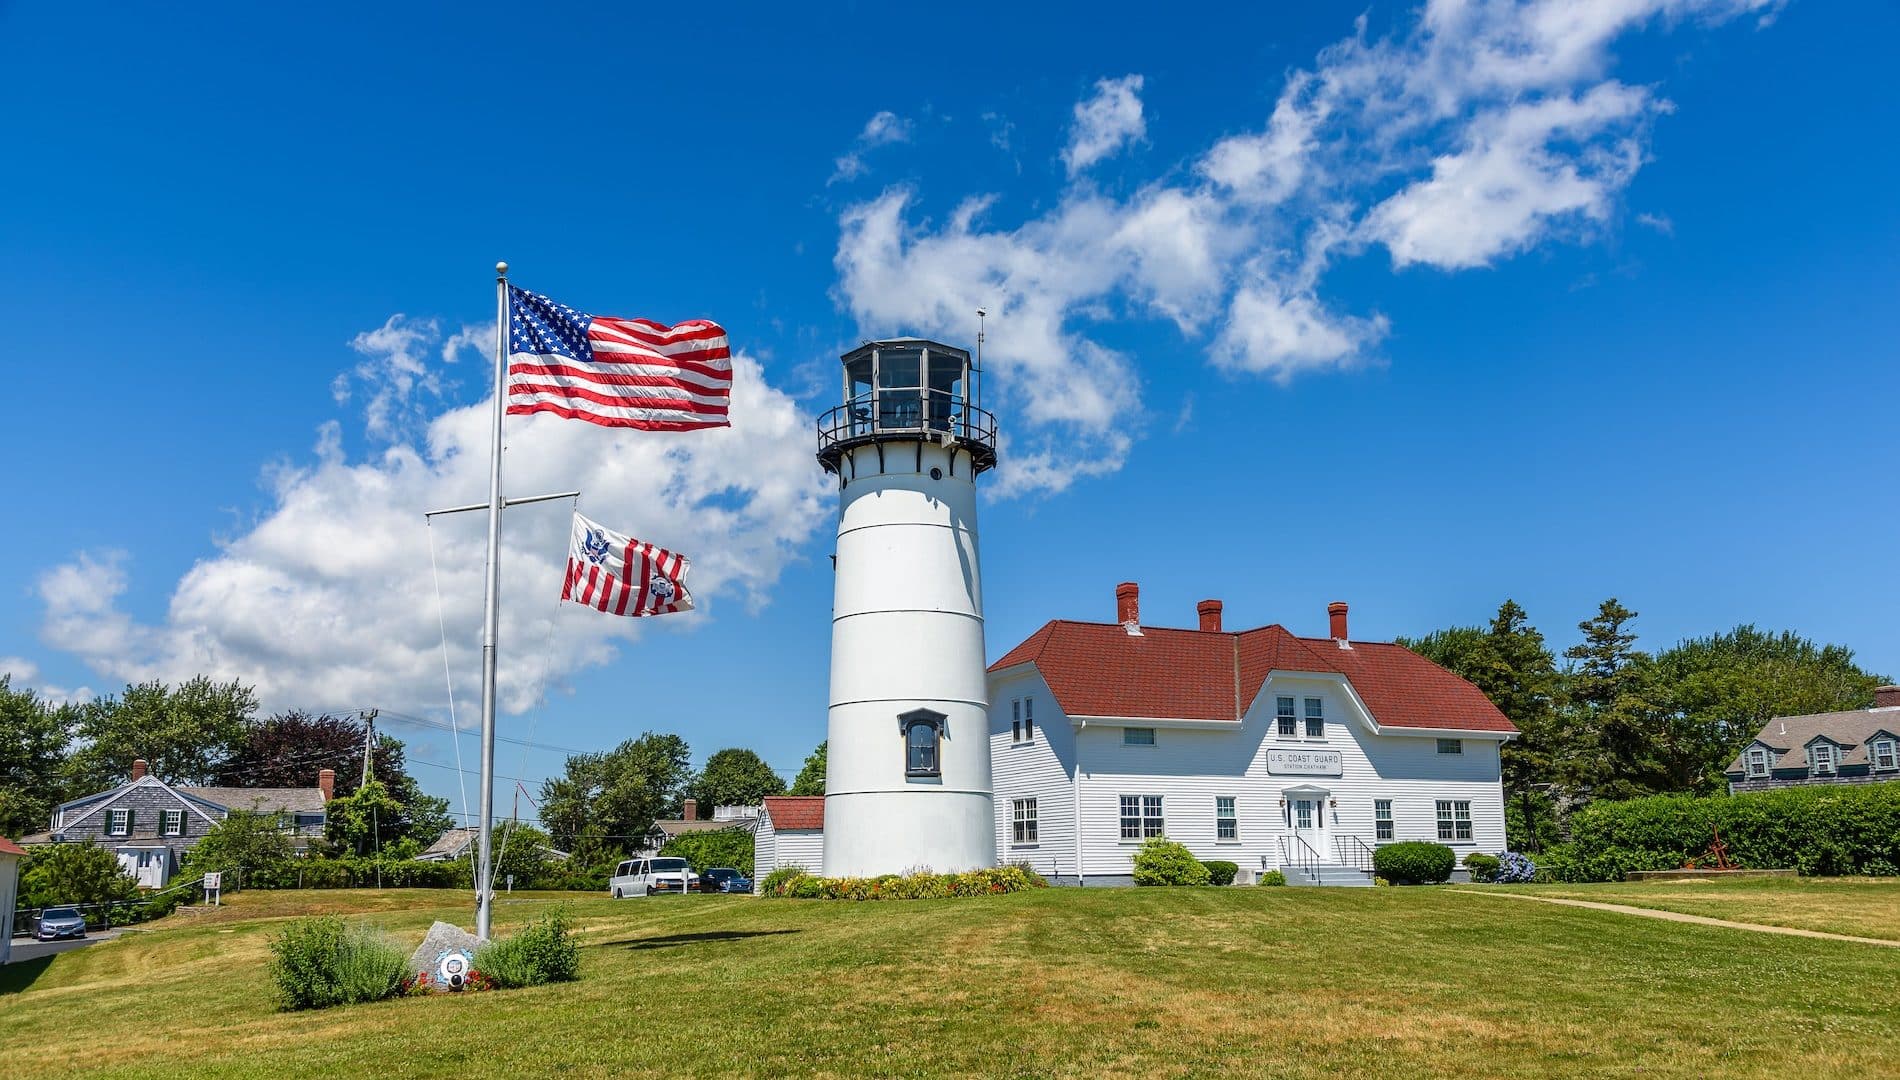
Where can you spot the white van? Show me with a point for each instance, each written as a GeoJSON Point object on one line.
{"type": "Point", "coordinates": [643, 877]}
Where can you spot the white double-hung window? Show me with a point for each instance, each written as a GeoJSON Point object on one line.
{"type": "Point", "coordinates": [1454, 819]}
{"type": "Point", "coordinates": [1285, 719]}
{"type": "Point", "coordinates": [1885, 754]}
{"type": "Point", "coordinates": [118, 822]}
{"type": "Point", "coordinates": [1823, 759]}
{"type": "Point", "coordinates": [1382, 819]}
{"type": "Point", "coordinates": [1757, 765]}
{"type": "Point", "coordinates": [1226, 820]}
{"type": "Point", "coordinates": [1315, 718]}
{"type": "Point", "coordinates": [1141, 816]}
{"type": "Point", "coordinates": [1023, 821]}
{"type": "Point", "coordinates": [172, 822]}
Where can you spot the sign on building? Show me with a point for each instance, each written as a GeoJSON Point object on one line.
{"type": "Point", "coordinates": [1287, 762]}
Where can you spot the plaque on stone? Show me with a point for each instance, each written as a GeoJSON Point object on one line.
{"type": "Point", "coordinates": [442, 941]}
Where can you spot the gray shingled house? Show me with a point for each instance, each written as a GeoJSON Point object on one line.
{"type": "Point", "coordinates": [150, 824]}
{"type": "Point", "coordinates": [1858, 747]}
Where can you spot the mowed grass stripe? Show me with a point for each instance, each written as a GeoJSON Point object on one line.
{"type": "Point", "coordinates": [1293, 982]}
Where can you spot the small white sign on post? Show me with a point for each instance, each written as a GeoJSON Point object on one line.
{"type": "Point", "coordinates": [214, 887]}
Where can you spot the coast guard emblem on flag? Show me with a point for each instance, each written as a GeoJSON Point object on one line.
{"type": "Point", "coordinates": [617, 574]}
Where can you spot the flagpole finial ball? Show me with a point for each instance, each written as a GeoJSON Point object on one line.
{"type": "Point", "coordinates": [501, 268]}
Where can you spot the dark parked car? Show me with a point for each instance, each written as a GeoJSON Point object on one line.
{"type": "Point", "coordinates": [724, 879]}
{"type": "Point", "coordinates": [61, 922]}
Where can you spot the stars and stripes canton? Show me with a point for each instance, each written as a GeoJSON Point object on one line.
{"type": "Point", "coordinates": [619, 575]}
{"type": "Point", "coordinates": [615, 372]}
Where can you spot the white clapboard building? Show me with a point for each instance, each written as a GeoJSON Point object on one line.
{"type": "Point", "coordinates": [1256, 747]}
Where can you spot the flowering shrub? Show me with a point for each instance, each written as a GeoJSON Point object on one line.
{"type": "Point", "coordinates": [1162, 861]}
{"type": "Point", "coordinates": [916, 885]}
{"type": "Point", "coordinates": [776, 881]}
{"type": "Point", "coordinates": [1514, 869]}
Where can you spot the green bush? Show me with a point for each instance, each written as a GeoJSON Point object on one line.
{"type": "Point", "coordinates": [919, 884]}
{"type": "Point", "coordinates": [1221, 873]}
{"type": "Point", "coordinates": [1161, 861]}
{"type": "Point", "coordinates": [73, 873]}
{"type": "Point", "coordinates": [1272, 877]}
{"type": "Point", "coordinates": [718, 847]}
{"type": "Point", "coordinates": [775, 882]}
{"type": "Point", "coordinates": [542, 952]}
{"type": "Point", "coordinates": [319, 962]}
{"type": "Point", "coordinates": [1819, 830]}
{"type": "Point", "coordinates": [1483, 867]}
{"type": "Point", "coordinates": [1414, 862]}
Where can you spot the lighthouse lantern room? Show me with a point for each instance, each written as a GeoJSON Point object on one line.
{"type": "Point", "coordinates": [907, 781]}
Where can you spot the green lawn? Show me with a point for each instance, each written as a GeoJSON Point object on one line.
{"type": "Point", "coordinates": [1149, 982]}
{"type": "Point", "coordinates": [1866, 907]}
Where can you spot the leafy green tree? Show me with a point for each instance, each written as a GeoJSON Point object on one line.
{"type": "Point", "coordinates": [365, 821]}
{"type": "Point", "coordinates": [736, 777]}
{"type": "Point", "coordinates": [811, 778]}
{"type": "Point", "coordinates": [184, 733]}
{"type": "Point", "coordinates": [523, 851]}
{"type": "Point", "coordinates": [244, 840]}
{"type": "Point", "coordinates": [603, 802]}
{"type": "Point", "coordinates": [717, 847]}
{"type": "Point", "coordinates": [33, 738]}
{"type": "Point", "coordinates": [78, 873]}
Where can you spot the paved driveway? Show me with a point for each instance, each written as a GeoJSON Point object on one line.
{"type": "Point", "coordinates": [29, 949]}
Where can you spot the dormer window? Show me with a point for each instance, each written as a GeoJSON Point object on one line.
{"type": "Point", "coordinates": [1885, 754]}
{"type": "Point", "coordinates": [1823, 759]}
{"type": "Point", "coordinates": [1757, 764]}
{"type": "Point", "coordinates": [923, 742]}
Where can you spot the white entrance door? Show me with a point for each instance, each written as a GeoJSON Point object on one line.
{"type": "Point", "coordinates": [151, 870]}
{"type": "Point", "coordinates": [1309, 822]}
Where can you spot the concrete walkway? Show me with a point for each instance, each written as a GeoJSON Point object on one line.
{"type": "Point", "coordinates": [1677, 916]}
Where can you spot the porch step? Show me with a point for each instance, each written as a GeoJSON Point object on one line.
{"type": "Point", "coordinates": [1336, 875]}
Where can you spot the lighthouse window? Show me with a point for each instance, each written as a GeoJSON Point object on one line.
{"type": "Point", "coordinates": [923, 732]}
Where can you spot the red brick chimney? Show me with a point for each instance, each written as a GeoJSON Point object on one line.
{"type": "Point", "coordinates": [1210, 615]}
{"type": "Point", "coordinates": [689, 810]}
{"type": "Point", "coordinates": [1886, 697]}
{"type": "Point", "coordinates": [139, 768]}
{"type": "Point", "coordinates": [326, 783]}
{"type": "Point", "coordinates": [1337, 612]}
{"type": "Point", "coordinates": [1128, 606]}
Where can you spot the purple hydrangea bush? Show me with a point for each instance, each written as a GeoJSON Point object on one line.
{"type": "Point", "coordinates": [1515, 868]}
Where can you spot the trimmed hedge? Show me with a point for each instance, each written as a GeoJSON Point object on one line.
{"type": "Point", "coordinates": [1220, 872]}
{"type": "Point", "coordinates": [1818, 830]}
{"type": "Point", "coordinates": [1161, 861]}
{"type": "Point", "coordinates": [1483, 867]}
{"type": "Point", "coordinates": [1414, 862]}
{"type": "Point", "coordinates": [796, 884]}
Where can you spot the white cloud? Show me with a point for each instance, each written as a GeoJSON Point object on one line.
{"type": "Point", "coordinates": [1105, 123]}
{"type": "Point", "coordinates": [327, 600]}
{"type": "Point", "coordinates": [24, 671]}
{"type": "Point", "coordinates": [1481, 130]}
{"type": "Point", "coordinates": [882, 129]}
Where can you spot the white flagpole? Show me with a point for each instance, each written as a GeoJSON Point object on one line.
{"type": "Point", "coordinates": [491, 616]}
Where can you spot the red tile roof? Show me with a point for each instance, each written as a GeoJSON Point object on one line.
{"type": "Point", "coordinates": [8, 847]}
{"type": "Point", "coordinates": [795, 811]}
{"type": "Point", "coordinates": [1099, 669]}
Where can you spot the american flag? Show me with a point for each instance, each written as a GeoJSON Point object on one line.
{"type": "Point", "coordinates": [614, 573]}
{"type": "Point", "coordinates": [615, 372]}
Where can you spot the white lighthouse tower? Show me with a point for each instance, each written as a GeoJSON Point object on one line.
{"type": "Point", "coordinates": [907, 779]}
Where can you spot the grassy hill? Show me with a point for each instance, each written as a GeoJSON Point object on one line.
{"type": "Point", "coordinates": [1152, 982]}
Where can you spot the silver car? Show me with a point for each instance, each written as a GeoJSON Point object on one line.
{"type": "Point", "coordinates": [61, 922]}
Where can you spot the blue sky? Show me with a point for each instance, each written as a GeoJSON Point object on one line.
{"type": "Point", "coordinates": [1452, 304]}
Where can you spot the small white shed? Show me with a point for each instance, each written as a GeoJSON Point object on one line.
{"type": "Point", "coordinates": [10, 856]}
{"type": "Point", "coordinates": [791, 832]}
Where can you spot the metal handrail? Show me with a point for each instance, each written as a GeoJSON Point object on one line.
{"type": "Point", "coordinates": [1354, 852]}
{"type": "Point", "coordinates": [1305, 858]}
{"type": "Point", "coordinates": [908, 411]}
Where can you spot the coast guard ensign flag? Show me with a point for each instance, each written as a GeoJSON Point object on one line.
{"type": "Point", "coordinates": [632, 373]}
{"type": "Point", "coordinates": [620, 575]}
